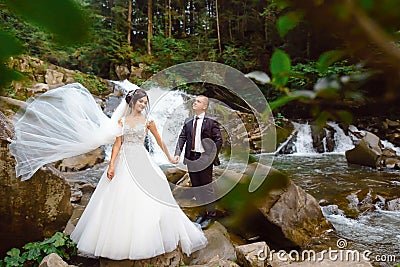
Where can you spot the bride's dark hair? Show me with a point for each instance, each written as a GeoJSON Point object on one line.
{"type": "Point", "coordinates": [133, 96]}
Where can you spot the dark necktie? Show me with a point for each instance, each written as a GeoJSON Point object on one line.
{"type": "Point", "coordinates": [194, 131]}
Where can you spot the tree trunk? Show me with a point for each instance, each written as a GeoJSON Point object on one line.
{"type": "Point", "coordinates": [184, 19]}
{"type": "Point", "coordinates": [230, 31]}
{"type": "Point", "coordinates": [165, 18]}
{"type": "Point", "coordinates": [129, 22]}
{"type": "Point", "coordinates": [218, 32]}
{"type": "Point", "coordinates": [308, 44]}
{"type": "Point", "coordinates": [149, 25]}
{"type": "Point", "coordinates": [266, 28]}
{"type": "Point", "coordinates": [191, 14]}
{"type": "Point", "coordinates": [169, 19]}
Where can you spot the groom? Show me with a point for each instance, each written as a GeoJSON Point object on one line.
{"type": "Point", "coordinates": [203, 140]}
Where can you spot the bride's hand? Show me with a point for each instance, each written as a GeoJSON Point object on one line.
{"type": "Point", "coordinates": [110, 173]}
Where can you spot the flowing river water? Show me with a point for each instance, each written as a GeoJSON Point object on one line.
{"type": "Point", "coordinates": [332, 181]}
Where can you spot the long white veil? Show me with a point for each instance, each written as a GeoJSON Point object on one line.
{"type": "Point", "coordinates": [61, 123]}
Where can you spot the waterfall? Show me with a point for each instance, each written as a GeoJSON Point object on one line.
{"type": "Point", "coordinates": [304, 141]}
{"type": "Point", "coordinates": [332, 140]}
{"type": "Point", "coordinates": [342, 141]}
{"type": "Point", "coordinates": [169, 113]}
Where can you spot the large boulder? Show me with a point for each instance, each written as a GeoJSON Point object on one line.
{"type": "Point", "coordinates": [30, 210]}
{"type": "Point", "coordinates": [81, 162]}
{"type": "Point", "coordinates": [278, 212]}
{"type": "Point", "coordinates": [219, 244]}
{"type": "Point", "coordinates": [6, 129]}
{"type": "Point", "coordinates": [122, 72]}
{"type": "Point", "coordinates": [173, 259]}
{"type": "Point", "coordinates": [370, 152]}
{"type": "Point", "coordinates": [367, 152]}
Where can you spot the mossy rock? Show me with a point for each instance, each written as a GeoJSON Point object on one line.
{"type": "Point", "coordinates": [282, 133]}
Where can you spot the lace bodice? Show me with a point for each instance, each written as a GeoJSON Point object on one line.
{"type": "Point", "coordinates": [133, 135]}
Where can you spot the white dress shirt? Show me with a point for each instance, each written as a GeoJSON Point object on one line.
{"type": "Point", "coordinates": [198, 146]}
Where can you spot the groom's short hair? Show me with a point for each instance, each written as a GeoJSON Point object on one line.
{"type": "Point", "coordinates": [205, 99]}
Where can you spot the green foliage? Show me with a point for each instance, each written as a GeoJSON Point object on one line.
{"type": "Point", "coordinates": [170, 51]}
{"type": "Point", "coordinates": [237, 57]}
{"type": "Point", "coordinates": [9, 46]}
{"type": "Point", "coordinates": [317, 84]}
{"type": "Point", "coordinates": [92, 83]}
{"type": "Point", "coordinates": [328, 58]}
{"type": "Point", "coordinates": [306, 75]}
{"type": "Point", "coordinates": [65, 19]}
{"type": "Point", "coordinates": [280, 120]}
{"type": "Point", "coordinates": [280, 68]}
{"type": "Point", "coordinates": [288, 22]}
{"type": "Point", "coordinates": [33, 253]}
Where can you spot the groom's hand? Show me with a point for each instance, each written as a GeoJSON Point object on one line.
{"type": "Point", "coordinates": [175, 160]}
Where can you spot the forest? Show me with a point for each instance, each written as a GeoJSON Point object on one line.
{"type": "Point", "coordinates": [336, 58]}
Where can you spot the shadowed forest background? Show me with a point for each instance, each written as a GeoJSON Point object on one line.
{"type": "Point", "coordinates": [337, 58]}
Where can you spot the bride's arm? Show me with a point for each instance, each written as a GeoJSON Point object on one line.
{"type": "Point", "coordinates": [115, 150]}
{"type": "Point", "coordinates": [153, 129]}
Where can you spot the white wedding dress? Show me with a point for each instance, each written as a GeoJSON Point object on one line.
{"type": "Point", "coordinates": [134, 216]}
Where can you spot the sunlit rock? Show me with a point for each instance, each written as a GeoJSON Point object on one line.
{"type": "Point", "coordinates": [53, 260]}
{"type": "Point", "coordinates": [394, 205]}
{"type": "Point", "coordinates": [173, 259]}
{"type": "Point", "coordinates": [254, 254]}
{"type": "Point", "coordinates": [219, 244]}
{"type": "Point", "coordinates": [33, 209]}
{"type": "Point", "coordinates": [367, 152]}
{"type": "Point", "coordinates": [81, 162]}
{"type": "Point", "coordinates": [279, 212]}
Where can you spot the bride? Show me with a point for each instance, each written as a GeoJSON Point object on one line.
{"type": "Point", "coordinates": [132, 213]}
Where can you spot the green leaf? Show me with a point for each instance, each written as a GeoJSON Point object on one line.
{"type": "Point", "coordinates": [322, 119]}
{"type": "Point", "coordinates": [7, 75]}
{"type": "Point", "coordinates": [367, 4]}
{"type": "Point", "coordinates": [14, 252]}
{"type": "Point", "coordinates": [9, 46]}
{"type": "Point", "coordinates": [14, 258]}
{"type": "Point", "coordinates": [57, 240]}
{"type": "Point", "coordinates": [33, 251]}
{"type": "Point", "coordinates": [50, 249]}
{"type": "Point", "coordinates": [345, 116]}
{"type": "Point", "coordinates": [328, 93]}
{"type": "Point", "coordinates": [328, 58]}
{"type": "Point", "coordinates": [280, 67]}
{"type": "Point", "coordinates": [282, 4]}
{"type": "Point", "coordinates": [282, 101]}
{"type": "Point", "coordinates": [289, 21]}
{"type": "Point", "coordinates": [65, 18]}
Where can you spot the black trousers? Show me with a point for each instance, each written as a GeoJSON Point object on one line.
{"type": "Point", "coordinates": [199, 178]}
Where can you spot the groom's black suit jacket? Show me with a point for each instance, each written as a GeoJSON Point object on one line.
{"type": "Point", "coordinates": [209, 130]}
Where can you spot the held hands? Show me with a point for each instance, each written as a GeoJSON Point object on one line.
{"type": "Point", "coordinates": [110, 173]}
{"type": "Point", "coordinates": [175, 160]}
